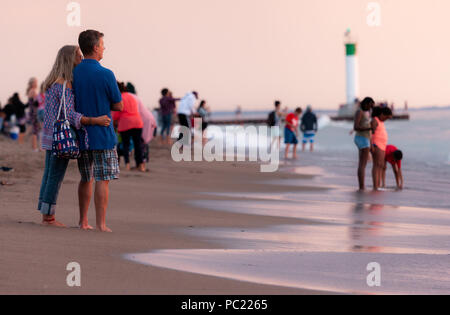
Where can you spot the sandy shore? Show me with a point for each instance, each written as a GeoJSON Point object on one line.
{"type": "Point", "coordinates": [146, 213]}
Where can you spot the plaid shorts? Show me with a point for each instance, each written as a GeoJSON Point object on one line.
{"type": "Point", "coordinates": [103, 165]}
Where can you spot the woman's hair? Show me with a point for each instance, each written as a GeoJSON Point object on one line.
{"type": "Point", "coordinates": [30, 84]}
{"type": "Point", "coordinates": [164, 91]}
{"type": "Point", "coordinates": [63, 67]}
{"type": "Point", "coordinates": [202, 104]}
{"type": "Point", "coordinates": [367, 104]}
{"type": "Point", "coordinates": [376, 111]}
{"type": "Point", "coordinates": [131, 88]}
{"type": "Point", "coordinates": [386, 111]}
{"type": "Point", "coordinates": [122, 87]}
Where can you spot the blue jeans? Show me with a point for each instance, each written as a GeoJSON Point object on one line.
{"type": "Point", "coordinates": [166, 123]}
{"type": "Point", "coordinates": [54, 172]}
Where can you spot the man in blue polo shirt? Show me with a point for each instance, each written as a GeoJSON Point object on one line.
{"type": "Point", "coordinates": [96, 94]}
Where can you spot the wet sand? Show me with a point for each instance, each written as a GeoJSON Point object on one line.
{"type": "Point", "coordinates": [147, 212]}
{"type": "Point", "coordinates": [344, 233]}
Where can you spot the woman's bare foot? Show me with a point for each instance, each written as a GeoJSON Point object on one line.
{"type": "Point", "coordinates": [128, 167]}
{"type": "Point", "coordinates": [104, 229]}
{"type": "Point", "coordinates": [142, 168]}
{"type": "Point", "coordinates": [49, 220]}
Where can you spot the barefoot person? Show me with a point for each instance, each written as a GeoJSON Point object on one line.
{"type": "Point", "coordinates": [55, 168]}
{"type": "Point", "coordinates": [129, 124]}
{"type": "Point", "coordinates": [379, 143]}
{"type": "Point", "coordinates": [96, 94]}
{"type": "Point", "coordinates": [362, 138]}
{"type": "Point", "coordinates": [291, 132]}
{"type": "Point", "coordinates": [394, 157]}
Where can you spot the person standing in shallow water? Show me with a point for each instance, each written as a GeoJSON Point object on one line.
{"type": "Point", "coordinates": [96, 93]}
{"type": "Point", "coordinates": [379, 143]}
{"type": "Point", "coordinates": [363, 137]}
{"type": "Point", "coordinates": [291, 132]}
{"type": "Point", "coordinates": [309, 128]}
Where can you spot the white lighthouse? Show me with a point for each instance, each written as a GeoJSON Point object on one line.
{"type": "Point", "coordinates": [352, 75]}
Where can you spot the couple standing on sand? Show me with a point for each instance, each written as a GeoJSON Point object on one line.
{"type": "Point", "coordinates": [91, 93]}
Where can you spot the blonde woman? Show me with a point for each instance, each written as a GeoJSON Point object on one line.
{"type": "Point", "coordinates": [55, 168]}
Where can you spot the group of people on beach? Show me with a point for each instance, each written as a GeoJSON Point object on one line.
{"type": "Point", "coordinates": [293, 124]}
{"type": "Point", "coordinates": [109, 119]}
{"type": "Point", "coordinates": [185, 113]}
{"type": "Point", "coordinates": [371, 139]}
{"type": "Point", "coordinates": [16, 115]}
{"type": "Point", "coordinates": [101, 109]}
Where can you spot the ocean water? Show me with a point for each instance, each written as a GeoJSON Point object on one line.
{"type": "Point", "coordinates": [406, 232]}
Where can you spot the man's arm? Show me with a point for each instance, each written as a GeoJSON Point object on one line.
{"type": "Point", "coordinates": [117, 107]}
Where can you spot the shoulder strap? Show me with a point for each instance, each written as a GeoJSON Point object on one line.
{"type": "Point", "coordinates": [63, 102]}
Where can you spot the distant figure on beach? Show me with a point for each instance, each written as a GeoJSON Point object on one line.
{"type": "Point", "coordinates": [274, 121]}
{"type": "Point", "coordinates": [41, 108]}
{"type": "Point", "coordinates": [55, 168]}
{"type": "Point", "coordinates": [129, 124]}
{"type": "Point", "coordinates": [309, 127]}
{"type": "Point", "coordinates": [394, 157]}
{"type": "Point", "coordinates": [379, 143]}
{"type": "Point", "coordinates": [15, 115]}
{"type": "Point", "coordinates": [149, 121]}
{"type": "Point", "coordinates": [291, 132]}
{"type": "Point", "coordinates": [33, 105]}
{"type": "Point", "coordinates": [167, 108]}
{"type": "Point", "coordinates": [363, 137]}
{"type": "Point", "coordinates": [238, 112]}
{"type": "Point", "coordinates": [185, 111]}
{"type": "Point", "coordinates": [203, 111]}
{"type": "Point", "coordinates": [2, 117]}
{"type": "Point", "coordinates": [96, 94]}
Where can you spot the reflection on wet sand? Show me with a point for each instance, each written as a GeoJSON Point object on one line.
{"type": "Point", "coordinates": [362, 230]}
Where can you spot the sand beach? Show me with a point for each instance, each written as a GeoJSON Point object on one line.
{"type": "Point", "coordinates": [146, 213]}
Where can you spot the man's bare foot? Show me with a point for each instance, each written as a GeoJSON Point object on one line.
{"type": "Point", "coordinates": [104, 229]}
{"type": "Point", "coordinates": [51, 221]}
{"type": "Point", "coordinates": [86, 227]}
{"type": "Point", "coordinates": [128, 167]}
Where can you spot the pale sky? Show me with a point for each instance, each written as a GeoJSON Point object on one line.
{"type": "Point", "coordinates": [246, 52]}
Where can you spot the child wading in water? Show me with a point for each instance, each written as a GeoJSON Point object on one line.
{"type": "Point", "coordinates": [379, 143]}
{"type": "Point", "coordinates": [394, 157]}
{"type": "Point", "coordinates": [363, 137]}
